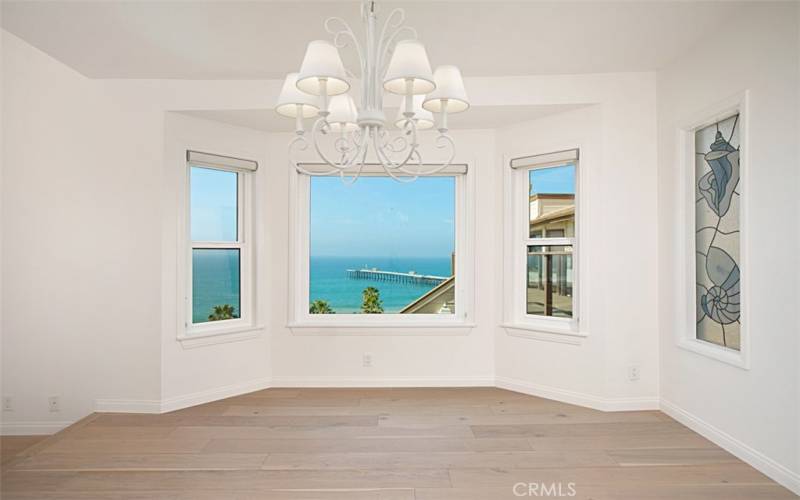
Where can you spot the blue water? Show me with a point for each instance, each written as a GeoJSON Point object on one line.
{"type": "Point", "coordinates": [329, 281]}
{"type": "Point", "coordinates": [215, 281]}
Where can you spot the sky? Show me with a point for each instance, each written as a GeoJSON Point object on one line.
{"type": "Point", "coordinates": [375, 217]}
{"type": "Point", "coordinates": [213, 203]}
{"type": "Point", "coordinates": [553, 180]}
{"type": "Point", "coordinates": [380, 217]}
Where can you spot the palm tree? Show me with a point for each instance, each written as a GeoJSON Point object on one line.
{"type": "Point", "coordinates": [371, 301]}
{"type": "Point", "coordinates": [225, 311]}
{"type": "Point", "coordinates": [320, 307]}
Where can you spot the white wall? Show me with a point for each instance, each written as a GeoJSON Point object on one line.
{"type": "Point", "coordinates": [81, 261]}
{"type": "Point", "coordinates": [617, 247]}
{"type": "Point", "coordinates": [420, 358]}
{"type": "Point", "coordinates": [752, 412]}
{"type": "Point", "coordinates": [192, 375]}
{"type": "Point", "coordinates": [119, 148]}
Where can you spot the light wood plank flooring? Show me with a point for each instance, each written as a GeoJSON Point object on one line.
{"type": "Point", "coordinates": [379, 444]}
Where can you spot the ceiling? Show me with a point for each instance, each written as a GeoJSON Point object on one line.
{"type": "Point", "coordinates": [266, 39]}
{"type": "Point", "coordinates": [478, 117]}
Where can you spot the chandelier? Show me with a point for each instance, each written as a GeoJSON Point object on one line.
{"type": "Point", "coordinates": [391, 61]}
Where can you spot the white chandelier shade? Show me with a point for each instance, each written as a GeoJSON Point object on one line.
{"type": "Point", "coordinates": [343, 114]}
{"type": "Point", "coordinates": [409, 70]}
{"type": "Point", "coordinates": [391, 60]}
{"type": "Point", "coordinates": [322, 71]}
{"type": "Point", "coordinates": [450, 94]}
{"type": "Point", "coordinates": [422, 117]}
{"type": "Point", "coordinates": [292, 102]}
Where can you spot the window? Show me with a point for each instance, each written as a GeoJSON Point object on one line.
{"type": "Point", "coordinates": [544, 232]}
{"type": "Point", "coordinates": [714, 262]}
{"type": "Point", "coordinates": [717, 241]}
{"type": "Point", "coordinates": [219, 245]}
{"type": "Point", "coordinates": [381, 251]}
{"type": "Point", "coordinates": [551, 224]}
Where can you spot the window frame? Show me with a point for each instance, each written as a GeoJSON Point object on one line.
{"type": "Point", "coordinates": [303, 322]}
{"type": "Point", "coordinates": [518, 321]}
{"type": "Point", "coordinates": [686, 331]}
{"type": "Point", "coordinates": [244, 243]}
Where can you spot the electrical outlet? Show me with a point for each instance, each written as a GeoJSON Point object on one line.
{"type": "Point", "coordinates": [366, 360]}
{"type": "Point", "coordinates": [8, 404]}
{"type": "Point", "coordinates": [53, 404]}
{"type": "Point", "coordinates": [633, 373]}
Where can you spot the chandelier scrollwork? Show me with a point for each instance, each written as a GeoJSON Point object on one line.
{"type": "Point", "coordinates": [346, 138]}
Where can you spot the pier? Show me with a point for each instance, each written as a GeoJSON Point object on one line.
{"type": "Point", "coordinates": [410, 277]}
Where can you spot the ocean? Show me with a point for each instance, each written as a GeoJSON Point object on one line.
{"type": "Point", "coordinates": [216, 281]}
{"type": "Point", "coordinates": [329, 281]}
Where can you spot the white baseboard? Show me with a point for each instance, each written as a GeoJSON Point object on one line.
{"type": "Point", "coordinates": [209, 395]}
{"type": "Point", "coordinates": [780, 474]}
{"type": "Point", "coordinates": [32, 428]}
{"type": "Point", "coordinates": [289, 381]}
{"type": "Point", "coordinates": [127, 406]}
{"type": "Point", "coordinates": [577, 398]}
{"type": "Point", "coordinates": [179, 402]}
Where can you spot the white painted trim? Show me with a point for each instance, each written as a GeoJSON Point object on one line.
{"type": "Point", "coordinates": [577, 398]}
{"type": "Point", "coordinates": [32, 428]}
{"type": "Point", "coordinates": [220, 336]}
{"type": "Point", "coordinates": [387, 330]}
{"type": "Point", "coordinates": [209, 395]}
{"type": "Point", "coordinates": [515, 218]}
{"type": "Point", "coordinates": [769, 467]}
{"type": "Point", "coordinates": [686, 289]}
{"type": "Point", "coordinates": [245, 243]}
{"type": "Point", "coordinates": [179, 402]}
{"type": "Point", "coordinates": [353, 324]}
{"type": "Point", "coordinates": [292, 381]}
{"type": "Point", "coordinates": [127, 406]}
{"type": "Point", "coordinates": [527, 331]}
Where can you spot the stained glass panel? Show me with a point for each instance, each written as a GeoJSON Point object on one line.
{"type": "Point", "coordinates": [717, 225]}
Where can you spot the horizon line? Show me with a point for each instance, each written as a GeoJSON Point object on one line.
{"type": "Point", "coordinates": [386, 256]}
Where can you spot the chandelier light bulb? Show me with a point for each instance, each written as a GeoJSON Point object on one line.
{"type": "Point", "coordinates": [422, 117]}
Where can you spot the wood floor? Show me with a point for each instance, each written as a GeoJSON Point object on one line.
{"type": "Point", "coordinates": [381, 444]}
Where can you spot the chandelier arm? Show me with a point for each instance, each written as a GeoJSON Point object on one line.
{"type": "Point", "coordinates": [300, 143]}
{"type": "Point", "coordinates": [442, 141]}
{"type": "Point", "coordinates": [357, 137]}
{"type": "Point", "coordinates": [363, 154]}
{"type": "Point", "coordinates": [389, 170]}
{"type": "Point", "coordinates": [396, 145]}
{"type": "Point", "coordinates": [394, 20]}
{"type": "Point", "coordinates": [344, 30]}
{"type": "Point", "coordinates": [387, 162]}
{"type": "Point", "coordinates": [315, 139]}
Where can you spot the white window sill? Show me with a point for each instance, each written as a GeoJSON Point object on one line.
{"type": "Point", "coordinates": [547, 333]}
{"type": "Point", "coordinates": [713, 351]}
{"type": "Point", "coordinates": [220, 336]}
{"type": "Point", "coordinates": [401, 328]}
